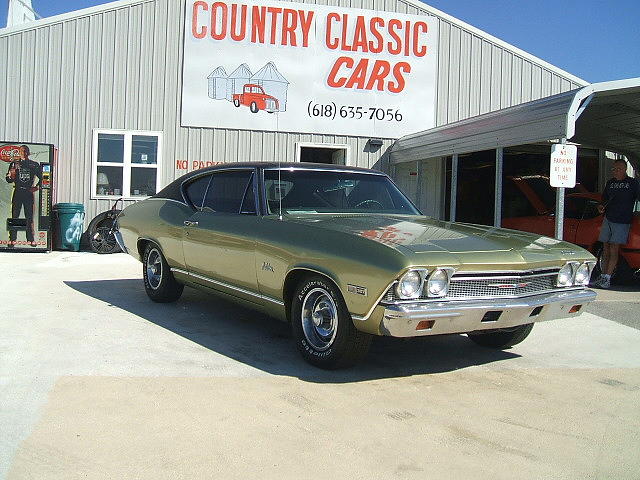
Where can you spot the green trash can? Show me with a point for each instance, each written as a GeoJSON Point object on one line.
{"type": "Point", "coordinates": [68, 226]}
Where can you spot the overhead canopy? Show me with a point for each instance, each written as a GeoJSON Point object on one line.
{"type": "Point", "coordinates": [601, 115]}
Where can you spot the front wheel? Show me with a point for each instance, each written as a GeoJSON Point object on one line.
{"type": "Point", "coordinates": [502, 338]}
{"type": "Point", "coordinates": [322, 326]}
{"type": "Point", "coordinates": [254, 107]}
{"type": "Point", "coordinates": [159, 283]}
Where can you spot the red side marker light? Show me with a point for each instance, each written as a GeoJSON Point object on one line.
{"type": "Point", "coordinates": [425, 325]}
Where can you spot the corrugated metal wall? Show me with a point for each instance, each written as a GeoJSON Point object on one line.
{"type": "Point", "coordinates": [120, 68]}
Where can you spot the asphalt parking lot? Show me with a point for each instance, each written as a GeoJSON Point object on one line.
{"type": "Point", "coordinates": [96, 381]}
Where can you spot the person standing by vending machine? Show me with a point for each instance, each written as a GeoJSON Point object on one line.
{"type": "Point", "coordinates": [26, 175]}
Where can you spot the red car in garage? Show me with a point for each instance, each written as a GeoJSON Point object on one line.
{"type": "Point", "coordinates": [529, 204]}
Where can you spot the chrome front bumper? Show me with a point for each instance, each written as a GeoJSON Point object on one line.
{"type": "Point", "coordinates": [438, 318]}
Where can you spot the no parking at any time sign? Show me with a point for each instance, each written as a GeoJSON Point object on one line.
{"type": "Point", "coordinates": [562, 172]}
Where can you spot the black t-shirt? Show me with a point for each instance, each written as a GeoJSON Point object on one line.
{"type": "Point", "coordinates": [26, 172]}
{"type": "Point", "coordinates": [620, 196]}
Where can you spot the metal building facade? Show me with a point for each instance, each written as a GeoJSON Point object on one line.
{"type": "Point", "coordinates": [119, 66]}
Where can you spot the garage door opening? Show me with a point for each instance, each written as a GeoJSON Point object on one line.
{"type": "Point", "coordinates": [322, 153]}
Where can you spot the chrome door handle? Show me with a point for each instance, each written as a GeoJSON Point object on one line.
{"type": "Point", "coordinates": [187, 223]}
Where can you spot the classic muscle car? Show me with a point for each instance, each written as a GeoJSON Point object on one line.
{"type": "Point", "coordinates": [530, 204]}
{"type": "Point", "coordinates": [342, 254]}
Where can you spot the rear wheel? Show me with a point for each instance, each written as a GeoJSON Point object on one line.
{"type": "Point", "coordinates": [322, 326]}
{"type": "Point", "coordinates": [236, 102]}
{"type": "Point", "coordinates": [159, 283]}
{"type": "Point", "coordinates": [502, 338]}
{"type": "Point", "coordinates": [102, 239]}
{"type": "Point", "coordinates": [99, 234]}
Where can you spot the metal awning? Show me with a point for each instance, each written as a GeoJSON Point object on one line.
{"type": "Point", "coordinates": [601, 115]}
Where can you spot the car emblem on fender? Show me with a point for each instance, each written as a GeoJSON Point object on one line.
{"type": "Point", "coordinates": [510, 285]}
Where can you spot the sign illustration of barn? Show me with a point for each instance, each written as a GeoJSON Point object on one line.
{"type": "Point", "coordinates": [265, 90]}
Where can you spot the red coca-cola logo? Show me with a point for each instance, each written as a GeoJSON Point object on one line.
{"type": "Point", "coordinates": [9, 153]}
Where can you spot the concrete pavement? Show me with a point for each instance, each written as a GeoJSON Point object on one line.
{"type": "Point", "coordinates": [96, 381]}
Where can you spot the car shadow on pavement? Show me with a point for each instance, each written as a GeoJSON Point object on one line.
{"type": "Point", "coordinates": [266, 343]}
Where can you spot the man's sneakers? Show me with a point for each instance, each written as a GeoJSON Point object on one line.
{"type": "Point", "coordinates": [603, 282]}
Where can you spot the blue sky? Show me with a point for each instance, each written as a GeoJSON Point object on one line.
{"type": "Point", "coordinates": [596, 40]}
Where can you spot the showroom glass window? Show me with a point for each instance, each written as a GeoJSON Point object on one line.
{"type": "Point", "coordinates": [125, 164]}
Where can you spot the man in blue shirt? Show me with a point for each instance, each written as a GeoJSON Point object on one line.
{"type": "Point", "coordinates": [618, 200]}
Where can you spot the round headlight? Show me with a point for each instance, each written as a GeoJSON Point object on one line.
{"type": "Point", "coordinates": [438, 283]}
{"type": "Point", "coordinates": [582, 275]}
{"type": "Point", "coordinates": [409, 285]}
{"type": "Point", "coordinates": [565, 276]}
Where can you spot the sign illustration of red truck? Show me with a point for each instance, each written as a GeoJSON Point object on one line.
{"type": "Point", "coordinates": [254, 97]}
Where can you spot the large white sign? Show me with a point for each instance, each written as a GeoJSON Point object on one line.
{"type": "Point", "coordinates": [282, 66]}
{"type": "Point", "coordinates": [562, 172]}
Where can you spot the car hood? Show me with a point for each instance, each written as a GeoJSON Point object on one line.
{"type": "Point", "coordinates": [428, 241]}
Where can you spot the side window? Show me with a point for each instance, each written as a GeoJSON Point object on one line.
{"type": "Point", "coordinates": [587, 208]}
{"type": "Point", "coordinates": [195, 191]}
{"type": "Point", "coordinates": [227, 192]}
{"type": "Point", "coordinates": [249, 202]}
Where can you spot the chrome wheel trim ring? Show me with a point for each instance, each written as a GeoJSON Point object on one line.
{"type": "Point", "coordinates": [154, 268]}
{"type": "Point", "coordinates": [319, 319]}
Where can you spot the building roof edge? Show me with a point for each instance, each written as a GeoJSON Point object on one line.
{"type": "Point", "coordinates": [415, 3]}
{"type": "Point", "coordinates": [85, 12]}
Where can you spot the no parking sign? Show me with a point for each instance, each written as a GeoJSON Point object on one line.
{"type": "Point", "coordinates": [562, 172]}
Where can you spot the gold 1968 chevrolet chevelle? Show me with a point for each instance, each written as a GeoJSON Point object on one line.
{"type": "Point", "coordinates": [342, 254]}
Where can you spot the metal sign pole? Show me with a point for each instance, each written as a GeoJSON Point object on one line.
{"type": "Point", "coordinates": [560, 206]}
{"type": "Point", "coordinates": [454, 188]}
{"type": "Point", "coordinates": [497, 202]}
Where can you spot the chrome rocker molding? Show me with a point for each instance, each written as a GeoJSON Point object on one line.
{"type": "Point", "coordinates": [227, 285]}
{"type": "Point", "coordinates": [402, 320]}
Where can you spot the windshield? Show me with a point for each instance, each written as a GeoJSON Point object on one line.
{"type": "Point", "coordinates": [318, 191]}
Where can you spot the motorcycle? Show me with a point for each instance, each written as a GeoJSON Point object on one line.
{"type": "Point", "coordinates": [100, 232]}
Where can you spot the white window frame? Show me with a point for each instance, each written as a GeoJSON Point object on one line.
{"type": "Point", "coordinates": [126, 164]}
{"type": "Point", "coordinates": [333, 146]}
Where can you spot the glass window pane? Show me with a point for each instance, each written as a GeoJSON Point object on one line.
{"type": "Point", "coordinates": [109, 180]}
{"type": "Point", "coordinates": [300, 191]}
{"type": "Point", "coordinates": [143, 182]}
{"type": "Point", "coordinates": [249, 202]}
{"type": "Point", "coordinates": [144, 149]}
{"type": "Point", "coordinates": [195, 191]}
{"type": "Point", "coordinates": [110, 148]}
{"type": "Point", "coordinates": [227, 191]}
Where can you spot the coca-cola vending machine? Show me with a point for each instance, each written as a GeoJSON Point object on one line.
{"type": "Point", "coordinates": [26, 187]}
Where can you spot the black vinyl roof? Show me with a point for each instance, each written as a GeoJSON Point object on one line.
{"type": "Point", "coordinates": [174, 189]}
{"type": "Point", "coordinates": [271, 165]}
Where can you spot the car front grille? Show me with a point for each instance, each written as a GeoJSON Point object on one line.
{"type": "Point", "coordinates": [492, 285]}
